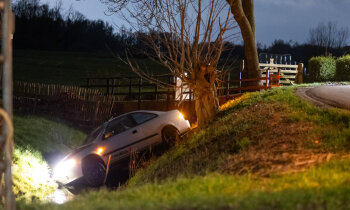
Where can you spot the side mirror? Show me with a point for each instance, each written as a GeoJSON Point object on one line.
{"type": "Point", "coordinates": [107, 135]}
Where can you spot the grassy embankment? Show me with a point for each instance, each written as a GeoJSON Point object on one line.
{"type": "Point", "coordinates": [34, 137]}
{"type": "Point", "coordinates": [267, 150]}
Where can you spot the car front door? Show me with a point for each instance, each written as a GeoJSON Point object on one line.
{"type": "Point", "coordinates": [120, 137]}
{"type": "Point", "coordinates": [145, 122]}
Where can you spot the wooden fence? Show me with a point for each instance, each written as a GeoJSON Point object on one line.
{"type": "Point", "coordinates": [86, 107]}
{"type": "Point", "coordinates": [135, 88]}
{"type": "Point", "coordinates": [102, 98]}
{"type": "Point", "coordinates": [236, 86]}
{"type": "Point", "coordinates": [30, 89]}
{"type": "Point", "coordinates": [291, 74]}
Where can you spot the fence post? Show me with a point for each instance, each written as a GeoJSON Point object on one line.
{"type": "Point", "coordinates": [299, 77]}
{"type": "Point", "coordinates": [129, 87]}
{"type": "Point", "coordinates": [139, 98]}
{"type": "Point", "coordinates": [228, 86]}
{"type": "Point", "coordinates": [96, 113]}
{"type": "Point", "coordinates": [182, 92]}
{"type": "Point", "coordinates": [156, 89]}
{"type": "Point", "coordinates": [113, 85]}
{"type": "Point", "coordinates": [279, 74]}
{"type": "Point", "coordinates": [240, 82]}
{"type": "Point", "coordinates": [107, 86]}
{"type": "Point", "coordinates": [7, 30]}
{"type": "Point", "coordinates": [267, 78]}
{"type": "Point", "coordinates": [167, 99]}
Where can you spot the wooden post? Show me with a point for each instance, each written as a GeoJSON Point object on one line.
{"type": "Point", "coordinates": [7, 30]}
{"type": "Point", "coordinates": [129, 88]}
{"type": "Point", "coordinates": [97, 107]}
{"type": "Point", "coordinates": [299, 77]}
{"type": "Point", "coordinates": [228, 86]}
{"type": "Point", "coordinates": [139, 97]}
{"type": "Point", "coordinates": [156, 89]}
{"type": "Point", "coordinates": [167, 99]}
{"type": "Point", "coordinates": [181, 92]}
{"type": "Point", "coordinates": [240, 82]}
{"type": "Point", "coordinates": [113, 85]}
{"type": "Point", "coordinates": [267, 78]}
{"type": "Point", "coordinates": [279, 74]}
{"type": "Point", "coordinates": [107, 88]}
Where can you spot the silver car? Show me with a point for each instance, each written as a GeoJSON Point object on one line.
{"type": "Point", "coordinates": [113, 142]}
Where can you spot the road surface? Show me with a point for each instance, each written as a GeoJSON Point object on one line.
{"type": "Point", "coordinates": [327, 95]}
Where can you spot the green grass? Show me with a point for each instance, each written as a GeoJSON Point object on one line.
{"type": "Point", "coordinates": [31, 176]}
{"type": "Point", "coordinates": [324, 187]}
{"type": "Point", "coordinates": [70, 68]}
{"type": "Point", "coordinates": [45, 136]}
{"type": "Point", "coordinates": [196, 174]}
{"type": "Point", "coordinates": [237, 127]}
{"type": "Point", "coordinates": [34, 137]}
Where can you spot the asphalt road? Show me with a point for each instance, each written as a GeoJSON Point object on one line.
{"type": "Point", "coordinates": [327, 96]}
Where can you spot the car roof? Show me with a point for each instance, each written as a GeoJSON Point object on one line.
{"type": "Point", "coordinates": [138, 111]}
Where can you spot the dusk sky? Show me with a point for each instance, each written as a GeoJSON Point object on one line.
{"type": "Point", "coordinates": [275, 19]}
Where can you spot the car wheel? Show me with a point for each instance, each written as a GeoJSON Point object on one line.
{"type": "Point", "coordinates": [94, 171]}
{"type": "Point", "coordinates": [169, 136]}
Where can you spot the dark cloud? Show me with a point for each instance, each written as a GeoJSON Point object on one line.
{"type": "Point", "coordinates": [275, 19]}
{"type": "Point", "coordinates": [292, 19]}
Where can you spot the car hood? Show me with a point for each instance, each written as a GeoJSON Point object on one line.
{"type": "Point", "coordinates": [77, 150]}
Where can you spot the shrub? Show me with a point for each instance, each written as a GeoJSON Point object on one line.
{"type": "Point", "coordinates": [322, 69]}
{"type": "Point", "coordinates": [343, 68]}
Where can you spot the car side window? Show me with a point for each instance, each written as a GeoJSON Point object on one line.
{"type": "Point", "coordinates": [141, 117]}
{"type": "Point", "coordinates": [120, 125]}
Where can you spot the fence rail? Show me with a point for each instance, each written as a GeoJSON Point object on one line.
{"type": "Point", "coordinates": [270, 80]}
{"type": "Point", "coordinates": [291, 73]}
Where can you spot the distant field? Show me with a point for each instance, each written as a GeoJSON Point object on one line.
{"type": "Point", "coordinates": [70, 68]}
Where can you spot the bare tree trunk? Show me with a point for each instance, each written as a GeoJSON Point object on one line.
{"type": "Point", "coordinates": [188, 38]}
{"type": "Point", "coordinates": [207, 104]}
{"type": "Point", "coordinates": [244, 15]}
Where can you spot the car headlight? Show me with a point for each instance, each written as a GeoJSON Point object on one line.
{"type": "Point", "coordinates": [63, 167]}
{"type": "Point", "coordinates": [181, 116]}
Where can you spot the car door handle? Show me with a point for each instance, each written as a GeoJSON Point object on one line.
{"type": "Point", "coordinates": [134, 131]}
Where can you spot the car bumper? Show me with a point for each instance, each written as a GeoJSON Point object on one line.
{"type": "Point", "coordinates": [186, 129]}
{"type": "Point", "coordinates": [68, 176]}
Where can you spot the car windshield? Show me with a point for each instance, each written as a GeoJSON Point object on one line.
{"type": "Point", "coordinates": [93, 135]}
{"type": "Point", "coordinates": [120, 125]}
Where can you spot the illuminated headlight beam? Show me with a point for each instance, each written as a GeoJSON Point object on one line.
{"type": "Point", "coordinates": [62, 167]}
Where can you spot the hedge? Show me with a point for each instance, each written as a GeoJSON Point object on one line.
{"type": "Point", "coordinates": [343, 68]}
{"type": "Point", "coordinates": [322, 69]}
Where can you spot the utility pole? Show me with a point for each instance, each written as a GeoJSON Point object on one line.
{"type": "Point", "coordinates": [6, 141]}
